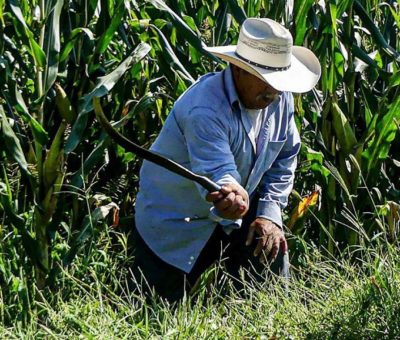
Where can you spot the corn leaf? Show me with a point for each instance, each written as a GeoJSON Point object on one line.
{"type": "Point", "coordinates": [362, 55]}
{"type": "Point", "coordinates": [52, 46]}
{"type": "Point", "coordinates": [237, 11]}
{"type": "Point", "coordinates": [183, 28]}
{"type": "Point", "coordinates": [36, 51]}
{"type": "Point", "coordinates": [301, 9]}
{"type": "Point", "coordinates": [333, 13]}
{"type": "Point", "coordinates": [6, 200]}
{"type": "Point", "coordinates": [396, 15]}
{"type": "Point", "coordinates": [167, 47]}
{"type": "Point", "coordinates": [375, 32]}
{"type": "Point", "coordinates": [72, 40]}
{"type": "Point", "coordinates": [13, 144]}
{"type": "Point", "coordinates": [385, 133]}
{"type": "Point", "coordinates": [109, 32]}
{"type": "Point", "coordinates": [342, 7]}
{"type": "Point", "coordinates": [338, 177]}
{"type": "Point", "coordinates": [395, 80]}
{"type": "Point", "coordinates": [224, 21]}
{"type": "Point", "coordinates": [103, 87]}
{"type": "Point", "coordinates": [39, 133]}
{"type": "Point", "coordinates": [1, 12]}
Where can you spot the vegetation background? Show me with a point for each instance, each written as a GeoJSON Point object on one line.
{"type": "Point", "coordinates": [67, 191]}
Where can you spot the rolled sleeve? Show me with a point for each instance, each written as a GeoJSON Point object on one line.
{"type": "Point", "coordinates": [225, 179]}
{"type": "Point", "coordinates": [270, 210]}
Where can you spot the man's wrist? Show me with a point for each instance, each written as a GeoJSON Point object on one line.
{"type": "Point", "coordinates": [266, 220]}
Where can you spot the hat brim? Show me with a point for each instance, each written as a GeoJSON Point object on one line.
{"type": "Point", "coordinates": [302, 75]}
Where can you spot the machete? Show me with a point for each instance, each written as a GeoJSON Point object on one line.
{"type": "Point", "coordinates": [148, 155]}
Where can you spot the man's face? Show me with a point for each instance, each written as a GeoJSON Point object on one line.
{"type": "Point", "coordinates": [253, 92]}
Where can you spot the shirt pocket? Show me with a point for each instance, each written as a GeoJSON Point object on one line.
{"type": "Point", "coordinates": [274, 147]}
{"type": "Point", "coordinates": [276, 144]}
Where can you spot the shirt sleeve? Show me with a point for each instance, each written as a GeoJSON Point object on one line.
{"type": "Point", "coordinates": [207, 138]}
{"type": "Point", "coordinates": [277, 182]}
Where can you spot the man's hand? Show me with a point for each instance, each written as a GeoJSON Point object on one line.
{"type": "Point", "coordinates": [232, 201]}
{"type": "Point", "coordinates": [271, 239]}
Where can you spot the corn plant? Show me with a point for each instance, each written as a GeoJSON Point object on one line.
{"type": "Point", "coordinates": [48, 84]}
{"type": "Point", "coordinates": [356, 119]}
{"type": "Point", "coordinates": [61, 175]}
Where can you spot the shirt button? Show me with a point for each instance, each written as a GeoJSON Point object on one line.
{"type": "Point", "coordinates": [190, 262]}
{"type": "Point", "coordinates": [192, 258]}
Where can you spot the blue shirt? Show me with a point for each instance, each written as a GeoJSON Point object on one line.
{"type": "Point", "coordinates": [207, 132]}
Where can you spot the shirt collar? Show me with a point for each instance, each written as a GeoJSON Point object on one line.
{"type": "Point", "coordinates": [230, 87]}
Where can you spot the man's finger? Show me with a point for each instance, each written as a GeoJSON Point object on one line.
{"type": "Point", "coordinates": [275, 249]}
{"type": "Point", "coordinates": [259, 248]}
{"type": "Point", "coordinates": [269, 244]}
{"type": "Point", "coordinates": [226, 189]}
{"type": "Point", "coordinates": [240, 204]}
{"type": "Point", "coordinates": [231, 213]}
{"type": "Point", "coordinates": [214, 196]}
{"type": "Point", "coordinates": [237, 202]}
{"type": "Point", "coordinates": [226, 202]}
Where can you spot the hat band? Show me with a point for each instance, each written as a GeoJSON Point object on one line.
{"type": "Point", "coordinates": [283, 68]}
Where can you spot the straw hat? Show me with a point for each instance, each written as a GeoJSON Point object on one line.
{"type": "Point", "coordinates": [265, 49]}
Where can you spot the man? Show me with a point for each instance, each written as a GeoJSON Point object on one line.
{"type": "Point", "coordinates": [237, 128]}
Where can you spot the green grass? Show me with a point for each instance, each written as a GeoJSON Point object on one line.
{"type": "Point", "coordinates": [326, 298]}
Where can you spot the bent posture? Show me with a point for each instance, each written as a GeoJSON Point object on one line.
{"type": "Point", "coordinates": [237, 128]}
